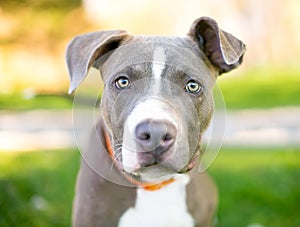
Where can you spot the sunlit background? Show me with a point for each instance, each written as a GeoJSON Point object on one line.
{"type": "Point", "coordinates": [257, 170]}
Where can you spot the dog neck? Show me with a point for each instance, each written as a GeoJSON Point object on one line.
{"type": "Point", "coordinates": [164, 207]}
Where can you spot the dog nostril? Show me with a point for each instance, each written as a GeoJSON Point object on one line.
{"type": "Point", "coordinates": [167, 137]}
{"type": "Point", "coordinates": [144, 136]}
{"type": "Point", "coordinates": [167, 141]}
{"type": "Point", "coordinates": [142, 132]}
{"type": "Point", "coordinates": [156, 136]}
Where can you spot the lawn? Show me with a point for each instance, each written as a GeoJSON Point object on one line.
{"type": "Point", "coordinates": [18, 101]}
{"type": "Point", "coordinates": [37, 188]}
{"type": "Point", "coordinates": [262, 87]}
{"type": "Point", "coordinates": [255, 187]}
{"type": "Point", "coordinates": [259, 186]}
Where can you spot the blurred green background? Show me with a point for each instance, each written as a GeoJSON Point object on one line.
{"type": "Point", "coordinates": [258, 184]}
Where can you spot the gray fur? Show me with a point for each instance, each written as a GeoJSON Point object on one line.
{"type": "Point", "coordinates": [204, 54]}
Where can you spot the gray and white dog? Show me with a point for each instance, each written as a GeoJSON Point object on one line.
{"type": "Point", "coordinates": [156, 104]}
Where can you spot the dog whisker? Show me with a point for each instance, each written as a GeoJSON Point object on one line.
{"type": "Point", "coordinates": [118, 155]}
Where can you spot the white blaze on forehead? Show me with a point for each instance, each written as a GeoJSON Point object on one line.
{"type": "Point", "coordinates": [158, 65]}
{"type": "Point", "coordinates": [159, 60]}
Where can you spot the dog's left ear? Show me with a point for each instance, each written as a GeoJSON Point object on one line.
{"type": "Point", "coordinates": [84, 50]}
{"type": "Point", "coordinates": [223, 50]}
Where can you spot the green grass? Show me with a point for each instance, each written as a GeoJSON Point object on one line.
{"type": "Point", "coordinates": [259, 186]}
{"type": "Point", "coordinates": [19, 102]}
{"type": "Point", "coordinates": [262, 88]}
{"type": "Point", "coordinates": [45, 177]}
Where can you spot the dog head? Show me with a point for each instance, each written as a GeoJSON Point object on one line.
{"type": "Point", "coordinates": [157, 99]}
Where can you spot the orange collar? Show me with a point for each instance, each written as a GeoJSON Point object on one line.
{"type": "Point", "coordinates": [146, 186]}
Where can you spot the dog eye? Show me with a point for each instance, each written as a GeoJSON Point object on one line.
{"type": "Point", "coordinates": [193, 87]}
{"type": "Point", "coordinates": [122, 83]}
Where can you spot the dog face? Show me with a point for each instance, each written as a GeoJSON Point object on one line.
{"type": "Point", "coordinates": [158, 107]}
{"type": "Point", "coordinates": [157, 100]}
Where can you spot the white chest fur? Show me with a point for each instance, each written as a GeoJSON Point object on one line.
{"type": "Point", "coordinates": [162, 208]}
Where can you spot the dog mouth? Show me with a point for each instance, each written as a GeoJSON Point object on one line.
{"type": "Point", "coordinates": [145, 160]}
{"type": "Point", "coordinates": [157, 160]}
{"type": "Point", "coordinates": [152, 169]}
{"type": "Point", "coordinates": [154, 157]}
{"type": "Point", "coordinates": [153, 174]}
{"type": "Point", "coordinates": [156, 173]}
{"type": "Point", "coordinates": [154, 165]}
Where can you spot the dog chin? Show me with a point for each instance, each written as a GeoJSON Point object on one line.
{"type": "Point", "coordinates": [154, 174]}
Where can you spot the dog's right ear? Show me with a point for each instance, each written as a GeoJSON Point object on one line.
{"type": "Point", "coordinates": [84, 50]}
{"type": "Point", "coordinates": [223, 49]}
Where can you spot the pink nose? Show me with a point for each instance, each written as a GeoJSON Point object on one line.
{"type": "Point", "coordinates": [155, 136]}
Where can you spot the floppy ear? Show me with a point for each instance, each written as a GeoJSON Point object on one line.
{"type": "Point", "coordinates": [84, 50]}
{"type": "Point", "coordinates": [223, 50]}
